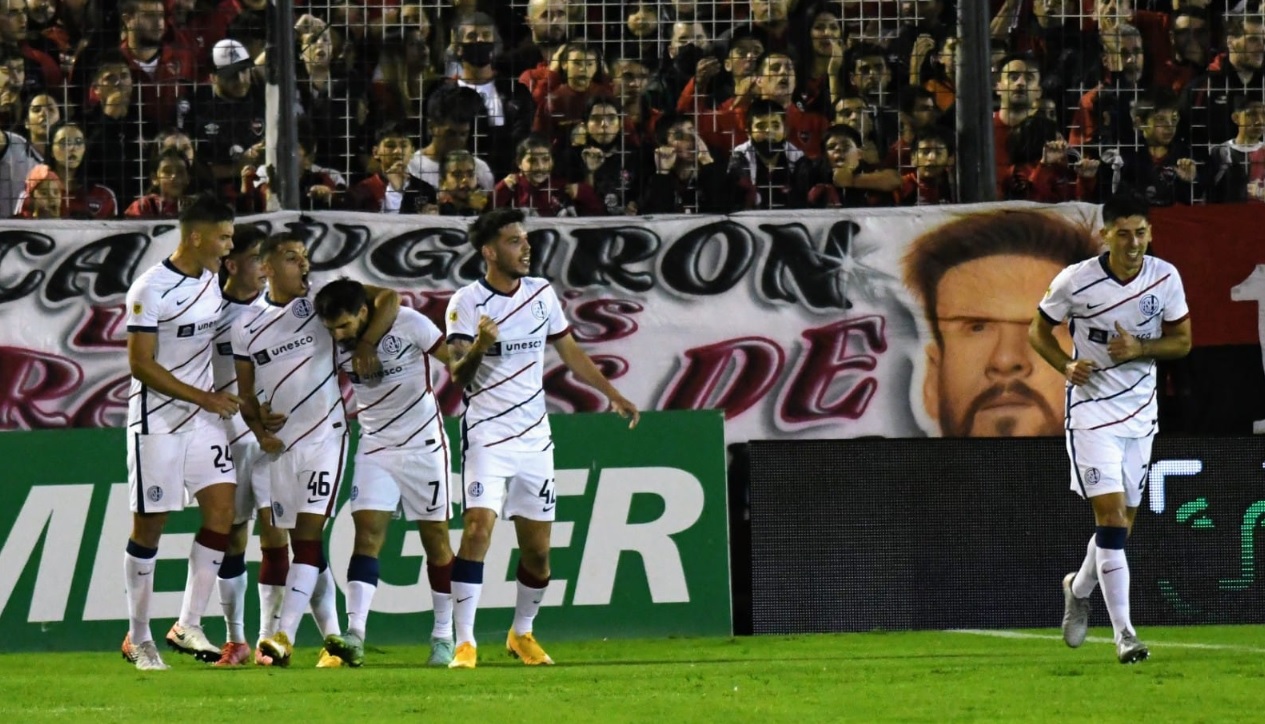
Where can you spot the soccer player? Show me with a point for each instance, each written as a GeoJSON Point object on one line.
{"type": "Point", "coordinates": [1126, 310]}
{"type": "Point", "coordinates": [497, 330]}
{"type": "Point", "coordinates": [402, 457]}
{"type": "Point", "coordinates": [280, 355]}
{"type": "Point", "coordinates": [175, 444]}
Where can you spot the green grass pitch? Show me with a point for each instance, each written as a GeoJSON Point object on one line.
{"type": "Point", "coordinates": [1212, 674]}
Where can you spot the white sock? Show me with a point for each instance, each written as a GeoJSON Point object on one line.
{"type": "Point", "coordinates": [443, 615]}
{"type": "Point", "coordinates": [325, 603]}
{"type": "Point", "coordinates": [204, 568]}
{"type": "Point", "coordinates": [138, 578]}
{"type": "Point", "coordinates": [465, 602]}
{"type": "Point", "coordinates": [1086, 579]}
{"type": "Point", "coordinates": [528, 606]}
{"type": "Point", "coordinates": [300, 583]}
{"type": "Point", "coordinates": [359, 598]}
{"type": "Point", "coordinates": [233, 601]}
{"type": "Point", "coordinates": [270, 598]}
{"type": "Point", "coordinates": [1113, 574]}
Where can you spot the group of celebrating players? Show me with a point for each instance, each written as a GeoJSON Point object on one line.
{"type": "Point", "coordinates": [236, 402]}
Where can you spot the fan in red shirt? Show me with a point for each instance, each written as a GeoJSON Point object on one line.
{"type": "Point", "coordinates": [931, 181]}
{"type": "Point", "coordinates": [163, 72]}
{"type": "Point", "coordinates": [82, 198]}
{"type": "Point", "coordinates": [169, 183]}
{"type": "Point", "coordinates": [563, 109]}
{"type": "Point", "coordinates": [725, 128]}
{"type": "Point", "coordinates": [42, 198]}
{"type": "Point", "coordinates": [535, 187]}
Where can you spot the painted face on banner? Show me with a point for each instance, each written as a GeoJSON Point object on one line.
{"type": "Point", "coordinates": [986, 380]}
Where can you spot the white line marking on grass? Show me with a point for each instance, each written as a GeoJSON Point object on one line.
{"type": "Point", "coordinates": [1101, 640]}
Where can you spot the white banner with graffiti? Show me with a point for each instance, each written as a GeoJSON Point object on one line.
{"type": "Point", "coordinates": [796, 324]}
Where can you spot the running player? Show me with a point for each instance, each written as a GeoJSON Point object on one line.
{"type": "Point", "coordinates": [1126, 310]}
{"type": "Point", "coordinates": [280, 353]}
{"type": "Point", "coordinates": [175, 442]}
{"type": "Point", "coordinates": [497, 330]}
{"type": "Point", "coordinates": [402, 457]}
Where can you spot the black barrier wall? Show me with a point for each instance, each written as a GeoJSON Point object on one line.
{"type": "Point", "coordinates": [857, 535]}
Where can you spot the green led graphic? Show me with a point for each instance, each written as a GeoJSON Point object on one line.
{"type": "Point", "coordinates": [1247, 550]}
{"type": "Point", "coordinates": [1192, 510]}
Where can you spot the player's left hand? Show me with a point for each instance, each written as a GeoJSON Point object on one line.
{"type": "Point", "coordinates": [272, 421]}
{"type": "Point", "coordinates": [364, 361]}
{"type": "Point", "coordinates": [1124, 347]}
{"type": "Point", "coordinates": [626, 409]}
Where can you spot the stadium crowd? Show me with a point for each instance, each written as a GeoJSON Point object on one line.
{"type": "Point", "coordinates": [578, 107]}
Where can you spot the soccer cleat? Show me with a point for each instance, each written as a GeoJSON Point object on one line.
{"type": "Point", "coordinates": [261, 658]}
{"type": "Point", "coordinates": [233, 654]}
{"type": "Point", "coordinates": [147, 658]}
{"type": "Point", "coordinates": [277, 646]}
{"type": "Point", "coordinates": [128, 650]}
{"type": "Point", "coordinates": [349, 647]}
{"type": "Point", "coordinates": [191, 640]}
{"type": "Point", "coordinates": [1129, 650]}
{"type": "Point", "coordinates": [466, 656]}
{"type": "Point", "coordinates": [327, 660]}
{"type": "Point", "coordinates": [526, 649]}
{"type": "Point", "coordinates": [1075, 614]}
{"type": "Point", "coordinates": [441, 652]}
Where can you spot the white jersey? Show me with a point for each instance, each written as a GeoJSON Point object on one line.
{"type": "Point", "coordinates": [223, 364]}
{"type": "Point", "coordinates": [396, 407]}
{"type": "Point", "coordinates": [182, 311]}
{"type": "Point", "coordinates": [1119, 398]}
{"type": "Point", "coordinates": [505, 404]}
{"type": "Point", "coordinates": [293, 356]}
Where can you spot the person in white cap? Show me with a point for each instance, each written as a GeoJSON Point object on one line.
{"type": "Point", "coordinates": [227, 116]}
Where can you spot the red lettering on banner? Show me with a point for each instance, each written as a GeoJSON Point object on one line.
{"type": "Point", "coordinates": [825, 360]}
{"type": "Point", "coordinates": [732, 375]}
{"type": "Point", "coordinates": [107, 407]}
{"type": "Point", "coordinates": [563, 387]}
{"type": "Point", "coordinates": [604, 320]}
{"type": "Point", "coordinates": [103, 327]}
{"type": "Point", "coordinates": [30, 378]}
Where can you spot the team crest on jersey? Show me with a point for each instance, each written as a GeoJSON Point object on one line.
{"type": "Point", "coordinates": [1150, 305]}
{"type": "Point", "coordinates": [302, 309]}
{"type": "Point", "coordinates": [452, 316]}
{"type": "Point", "coordinates": [476, 489]}
{"type": "Point", "coordinates": [355, 492]}
{"type": "Point", "coordinates": [137, 308]}
{"type": "Point", "coordinates": [277, 509]}
{"type": "Point", "coordinates": [538, 309]}
{"type": "Point", "coordinates": [1092, 476]}
{"type": "Point", "coordinates": [154, 493]}
{"type": "Point", "coordinates": [391, 344]}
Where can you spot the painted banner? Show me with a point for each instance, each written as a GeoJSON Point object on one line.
{"type": "Point", "coordinates": [640, 545]}
{"type": "Point", "coordinates": [795, 324]}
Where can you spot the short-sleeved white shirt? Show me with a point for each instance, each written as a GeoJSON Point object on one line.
{"type": "Point", "coordinates": [1119, 398]}
{"type": "Point", "coordinates": [505, 404]}
{"type": "Point", "coordinates": [396, 407]}
{"type": "Point", "coordinates": [293, 355]}
{"type": "Point", "coordinates": [182, 311]}
{"type": "Point", "coordinates": [223, 365]}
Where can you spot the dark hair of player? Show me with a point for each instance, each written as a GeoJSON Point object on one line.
{"type": "Point", "coordinates": [339, 297]}
{"type": "Point", "coordinates": [205, 209]}
{"type": "Point", "coordinates": [1122, 206]}
{"type": "Point", "coordinates": [272, 243]}
{"type": "Point", "coordinates": [488, 226]}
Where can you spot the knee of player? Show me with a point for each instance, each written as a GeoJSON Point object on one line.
{"type": "Point", "coordinates": [435, 540]}
{"type": "Point", "coordinates": [238, 537]}
{"type": "Point", "coordinates": [476, 533]}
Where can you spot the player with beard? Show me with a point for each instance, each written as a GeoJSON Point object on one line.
{"type": "Point", "coordinates": [402, 459]}
{"type": "Point", "coordinates": [497, 330]}
{"type": "Point", "coordinates": [976, 277]}
{"type": "Point", "coordinates": [283, 360]}
{"type": "Point", "coordinates": [1129, 310]}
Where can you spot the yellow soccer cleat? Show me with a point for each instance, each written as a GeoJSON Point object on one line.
{"type": "Point", "coordinates": [526, 649]}
{"type": "Point", "coordinates": [328, 661]}
{"type": "Point", "coordinates": [277, 646]}
{"type": "Point", "coordinates": [466, 657]}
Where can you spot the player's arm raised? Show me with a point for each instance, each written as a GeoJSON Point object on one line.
{"type": "Point", "coordinates": [140, 358]}
{"type": "Point", "coordinates": [384, 307]}
{"type": "Point", "coordinates": [465, 356]}
{"type": "Point", "coordinates": [581, 365]}
{"type": "Point", "coordinates": [252, 412]}
{"type": "Point", "coordinates": [1041, 337]}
